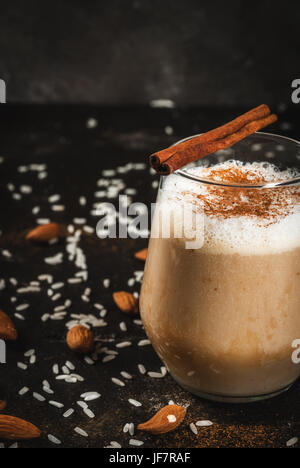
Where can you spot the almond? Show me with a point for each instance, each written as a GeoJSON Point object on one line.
{"type": "Point", "coordinates": [7, 328]}
{"type": "Point", "coordinates": [17, 429]}
{"type": "Point", "coordinates": [165, 420]}
{"type": "Point", "coordinates": [126, 302]}
{"type": "Point", "coordinates": [44, 233]}
{"type": "Point", "coordinates": [3, 404]}
{"type": "Point", "coordinates": [80, 339]}
{"type": "Point", "coordinates": [141, 254]}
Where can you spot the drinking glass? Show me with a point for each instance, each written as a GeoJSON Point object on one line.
{"type": "Point", "coordinates": [224, 316]}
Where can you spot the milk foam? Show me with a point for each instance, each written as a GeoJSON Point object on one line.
{"type": "Point", "coordinates": [241, 234]}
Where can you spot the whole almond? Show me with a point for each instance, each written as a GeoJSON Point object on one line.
{"type": "Point", "coordinates": [7, 328]}
{"type": "Point", "coordinates": [17, 429]}
{"type": "Point", "coordinates": [165, 420]}
{"type": "Point", "coordinates": [3, 404]}
{"type": "Point", "coordinates": [141, 254]}
{"type": "Point", "coordinates": [126, 302]}
{"type": "Point", "coordinates": [80, 339]}
{"type": "Point", "coordinates": [44, 233]}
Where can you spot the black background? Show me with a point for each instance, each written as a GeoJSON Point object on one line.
{"type": "Point", "coordinates": [232, 53]}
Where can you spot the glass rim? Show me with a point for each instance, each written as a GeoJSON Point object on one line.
{"type": "Point", "coordinates": [270, 185]}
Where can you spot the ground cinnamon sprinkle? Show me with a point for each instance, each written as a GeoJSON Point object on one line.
{"type": "Point", "coordinates": [236, 175]}
{"type": "Point", "coordinates": [266, 204]}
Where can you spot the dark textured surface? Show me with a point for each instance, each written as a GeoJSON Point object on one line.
{"type": "Point", "coordinates": [75, 157]}
{"type": "Point", "coordinates": [197, 53]}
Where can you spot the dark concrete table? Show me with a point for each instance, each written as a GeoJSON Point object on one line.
{"type": "Point", "coordinates": [75, 155]}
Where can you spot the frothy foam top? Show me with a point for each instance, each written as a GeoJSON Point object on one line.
{"type": "Point", "coordinates": [240, 220]}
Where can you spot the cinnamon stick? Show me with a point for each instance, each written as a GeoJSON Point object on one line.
{"type": "Point", "coordinates": [169, 160]}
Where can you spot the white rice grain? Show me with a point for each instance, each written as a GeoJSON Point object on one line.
{"type": "Point", "coordinates": [19, 316]}
{"type": "Point", "coordinates": [144, 342]}
{"type": "Point", "coordinates": [90, 396]}
{"type": "Point", "coordinates": [81, 432]}
{"type": "Point", "coordinates": [48, 390]}
{"type": "Point", "coordinates": [108, 358]}
{"type": "Point", "coordinates": [114, 444]}
{"type": "Point", "coordinates": [22, 307]}
{"type": "Point", "coordinates": [70, 365]}
{"type": "Point", "coordinates": [68, 413]}
{"type": "Point", "coordinates": [135, 442]}
{"type": "Point", "coordinates": [53, 439]}
{"type": "Point", "coordinates": [204, 423]}
{"type": "Point", "coordinates": [131, 429]}
{"type": "Point", "coordinates": [126, 375]}
{"type": "Point", "coordinates": [142, 369]}
{"type": "Point", "coordinates": [124, 344]}
{"type": "Point", "coordinates": [155, 375]}
{"type": "Point", "coordinates": [22, 366]}
{"type": "Point", "coordinates": [134, 402]}
{"type": "Point", "coordinates": [89, 413]}
{"type": "Point", "coordinates": [193, 428]}
{"type": "Point", "coordinates": [38, 397]}
{"type": "Point", "coordinates": [123, 326]}
{"type": "Point", "coordinates": [56, 404]}
{"type": "Point", "coordinates": [82, 404]}
{"type": "Point", "coordinates": [292, 442]}
{"type": "Point", "coordinates": [118, 382]}
{"type": "Point", "coordinates": [32, 359]}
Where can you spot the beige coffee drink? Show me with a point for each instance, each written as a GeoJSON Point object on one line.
{"type": "Point", "coordinates": [223, 316]}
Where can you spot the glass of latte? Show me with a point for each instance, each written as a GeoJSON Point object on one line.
{"type": "Point", "coordinates": [220, 299]}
